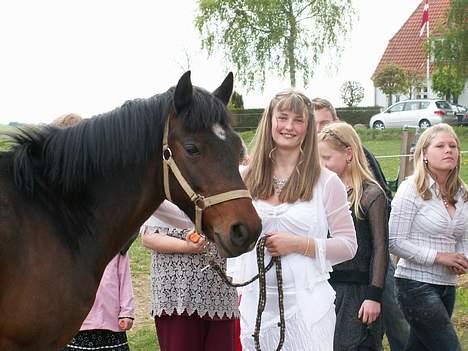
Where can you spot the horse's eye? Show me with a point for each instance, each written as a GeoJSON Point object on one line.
{"type": "Point", "coordinates": [192, 149]}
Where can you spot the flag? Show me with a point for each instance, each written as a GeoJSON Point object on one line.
{"type": "Point", "coordinates": [425, 18]}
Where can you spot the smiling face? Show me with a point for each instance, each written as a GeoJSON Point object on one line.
{"type": "Point", "coordinates": [442, 153]}
{"type": "Point", "coordinates": [288, 128]}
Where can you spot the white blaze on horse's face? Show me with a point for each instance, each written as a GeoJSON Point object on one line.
{"type": "Point", "coordinates": [219, 131]}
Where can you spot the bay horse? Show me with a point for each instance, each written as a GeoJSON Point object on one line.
{"type": "Point", "coordinates": [70, 199]}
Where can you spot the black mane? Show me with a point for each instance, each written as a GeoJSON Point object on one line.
{"type": "Point", "coordinates": [53, 166]}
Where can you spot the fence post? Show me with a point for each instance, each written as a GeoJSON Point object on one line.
{"type": "Point", "coordinates": [406, 162]}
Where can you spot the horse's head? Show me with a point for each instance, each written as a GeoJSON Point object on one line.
{"type": "Point", "coordinates": [206, 150]}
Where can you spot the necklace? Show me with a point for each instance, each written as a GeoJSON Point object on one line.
{"type": "Point", "coordinates": [445, 201]}
{"type": "Point", "coordinates": [279, 183]}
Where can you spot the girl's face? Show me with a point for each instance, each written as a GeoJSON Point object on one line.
{"type": "Point", "coordinates": [335, 160]}
{"type": "Point", "coordinates": [442, 153]}
{"type": "Point", "coordinates": [288, 129]}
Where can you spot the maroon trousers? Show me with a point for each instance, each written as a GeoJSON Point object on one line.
{"type": "Point", "coordinates": [192, 333]}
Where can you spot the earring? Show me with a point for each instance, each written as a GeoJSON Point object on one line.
{"type": "Point", "coordinates": [348, 161]}
{"type": "Point", "coordinates": [270, 155]}
{"type": "Point", "coordinates": [425, 161]}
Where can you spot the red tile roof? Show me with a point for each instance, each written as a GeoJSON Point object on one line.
{"type": "Point", "coordinates": [406, 48]}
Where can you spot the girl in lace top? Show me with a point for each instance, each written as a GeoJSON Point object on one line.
{"type": "Point", "coordinates": [428, 231]}
{"type": "Point", "coordinates": [193, 308]}
{"type": "Point", "coordinates": [358, 282]}
{"type": "Point", "coordinates": [298, 202]}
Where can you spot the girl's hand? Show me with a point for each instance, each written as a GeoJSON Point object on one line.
{"type": "Point", "coordinates": [457, 271]}
{"type": "Point", "coordinates": [281, 244]}
{"type": "Point", "coordinates": [195, 242]}
{"type": "Point", "coordinates": [125, 323]}
{"type": "Point", "coordinates": [453, 260]}
{"type": "Point", "coordinates": [369, 312]}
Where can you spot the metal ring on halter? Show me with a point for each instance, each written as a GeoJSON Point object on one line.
{"type": "Point", "coordinates": [169, 152]}
{"type": "Point", "coordinates": [200, 202]}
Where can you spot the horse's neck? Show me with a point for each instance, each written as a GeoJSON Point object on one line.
{"type": "Point", "coordinates": [124, 201]}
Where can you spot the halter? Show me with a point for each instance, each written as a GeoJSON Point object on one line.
{"type": "Point", "coordinates": [200, 202]}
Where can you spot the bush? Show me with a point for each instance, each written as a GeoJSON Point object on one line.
{"type": "Point", "coordinates": [357, 115]}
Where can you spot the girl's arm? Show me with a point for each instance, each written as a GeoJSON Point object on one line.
{"type": "Point", "coordinates": [342, 244]}
{"type": "Point", "coordinates": [127, 307]}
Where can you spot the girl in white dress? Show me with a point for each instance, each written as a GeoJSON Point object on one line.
{"type": "Point", "coordinates": [299, 203]}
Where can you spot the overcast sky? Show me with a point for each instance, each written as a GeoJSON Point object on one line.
{"type": "Point", "coordinates": [89, 56]}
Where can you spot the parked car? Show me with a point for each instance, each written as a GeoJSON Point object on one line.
{"type": "Point", "coordinates": [461, 112]}
{"type": "Point", "coordinates": [421, 112]}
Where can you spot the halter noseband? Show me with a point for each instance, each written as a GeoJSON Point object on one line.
{"type": "Point", "coordinates": [198, 200]}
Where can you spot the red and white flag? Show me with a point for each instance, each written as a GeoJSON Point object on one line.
{"type": "Point", "coordinates": [425, 18]}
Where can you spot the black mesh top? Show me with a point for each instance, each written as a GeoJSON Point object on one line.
{"type": "Point", "coordinates": [370, 263]}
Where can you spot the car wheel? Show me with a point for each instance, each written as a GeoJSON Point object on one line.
{"type": "Point", "coordinates": [424, 123]}
{"type": "Point", "coordinates": [378, 125]}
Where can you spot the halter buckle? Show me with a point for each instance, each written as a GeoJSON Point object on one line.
{"type": "Point", "coordinates": [200, 202]}
{"type": "Point", "coordinates": [167, 153]}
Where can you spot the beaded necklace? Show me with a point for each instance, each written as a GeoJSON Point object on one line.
{"type": "Point", "coordinates": [279, 183]}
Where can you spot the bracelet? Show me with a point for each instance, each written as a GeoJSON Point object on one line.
{"type": "Point", "coordinates": [306, 252]}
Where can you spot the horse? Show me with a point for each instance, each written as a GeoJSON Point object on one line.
{"type": "Point", "coordinates": [70, 199]}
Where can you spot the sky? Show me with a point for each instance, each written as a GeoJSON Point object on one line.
{"type": "Point", "coordinates": [90, 56]}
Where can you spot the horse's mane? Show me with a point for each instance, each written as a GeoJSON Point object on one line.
{"type": "Point", "coordinates": [54, 165]}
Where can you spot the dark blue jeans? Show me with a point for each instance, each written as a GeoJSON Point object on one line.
{"type": "Point", "coordinates": [428, 309]}
{"type": "Point", "coordinates": [396, 326]}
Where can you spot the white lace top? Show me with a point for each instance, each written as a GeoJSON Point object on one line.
{"type": "Point", "coordinates": [308, 295]}
{"type": "Point", "coordinates": [177, 280]}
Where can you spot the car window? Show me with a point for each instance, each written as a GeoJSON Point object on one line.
{"type": "Point", "coordinates": [396, 108]}
{"type": "Point", "coordinates": [412, 105]}
{"type": "Point", "coordinates": [424, 104]}
{"type": "Point", "coordinates": [443, 104]}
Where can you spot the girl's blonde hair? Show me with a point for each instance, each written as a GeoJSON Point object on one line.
{"type": "Point", "coordinates": [67, 120]}
{"type": "Point", "coordinates": [259, 176]}
{"type": "Point", "coordinates": [341, 136]}
{"type": "Point", "coordinates": [421, 170]}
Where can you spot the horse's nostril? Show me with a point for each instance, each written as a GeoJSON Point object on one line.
{"type": "Point", "coordinates": [239, 235]}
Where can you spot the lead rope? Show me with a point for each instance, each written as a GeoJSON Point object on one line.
{"type": "Point", "coordinates": [261, 276]}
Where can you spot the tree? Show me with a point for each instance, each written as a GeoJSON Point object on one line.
{"type": "Point", "coordinates": [352, 93]}
{"type": "Point", "coordinates": [236, 101]}
{"type": "Point", "coordinates": [414, 82]}
{"type": "Point", "coordinates": [446, 83]}
{"type": "Point", "coordinates": [285, 37]}
{"type": "Point", "coordinates": [449, 50]}
{"type": "Point", "coordinates": [391, 79]}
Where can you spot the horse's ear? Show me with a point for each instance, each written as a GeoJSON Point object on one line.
{"type": "Point", "coordinates": [183, 92]}
{"type": "Point", "coordinates": [225, 89]}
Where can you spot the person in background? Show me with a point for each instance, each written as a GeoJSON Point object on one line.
{"type": "Point", "coordinates": [395, 324]}
{"type": "Point", "coordinates": [428, 231]}
{"type": "Point", "coordinates": [359, 283]}
{"type": "Point", "coordinates": [112, 313]}
{"type": "Point", "coordinates": [192, 307]}
{"type": "Point", "coordinates": [299, 202]}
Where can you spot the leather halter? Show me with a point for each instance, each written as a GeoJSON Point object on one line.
{"type": "Point", "coordinates": [199, 200]}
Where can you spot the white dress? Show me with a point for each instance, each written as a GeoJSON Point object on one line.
{"type": "Point", "coordinates": [308, 297]}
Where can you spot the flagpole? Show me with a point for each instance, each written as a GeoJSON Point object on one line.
{"type": "Point", "coordinates": [427, 58]}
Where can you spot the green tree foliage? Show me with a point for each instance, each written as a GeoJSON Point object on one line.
{"type": "Point", "coordinates": [449, 51]}
{"type": "Point", "coordinates": [352, 93]}
{"type": "Point", "coordinates": [236, 102]}
{"type": "Point", "coordinates": [284, 37]}
{"type": "Point", "coordinates": [391, 79]}
{"type": "Point", "coordinates": [414, 82]}
{"type": "Point", "coordinates": [447, 83]}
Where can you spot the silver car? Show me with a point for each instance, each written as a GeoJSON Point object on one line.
{"type": "Point", "coordinates": [421, 112]}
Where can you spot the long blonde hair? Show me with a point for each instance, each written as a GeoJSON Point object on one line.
{"type": "Point", "coordinates": [421, 170]}
{"type": "Point", "coordinates": [259, 176]}
{"type": "Point", "coordinates": [341, 136]}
